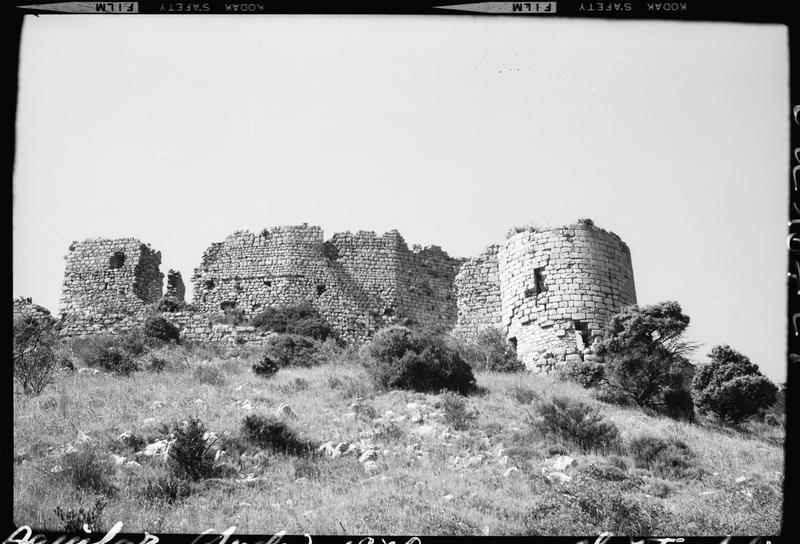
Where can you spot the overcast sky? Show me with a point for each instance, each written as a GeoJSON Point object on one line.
{"type": "Point", "coordinates": [179, 130]}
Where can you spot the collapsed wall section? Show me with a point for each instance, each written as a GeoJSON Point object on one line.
{"type": "Point", "coordinates": [559, 287]}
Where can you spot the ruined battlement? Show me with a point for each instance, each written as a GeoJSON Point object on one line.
{"type": "Point", "coordinates": [550, 290]}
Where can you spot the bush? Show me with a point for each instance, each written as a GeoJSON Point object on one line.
{"type": "Point", "coordinates": [586, 374]}
{"type": "Point", "coordinates": [404, 360]}
{"type": "Point", "coordinates": [266, 367]}
{"type": "Point", "coordinates": [678, 404]}
{"type": "Point", "coordinates": [88, 471]}
{"type": "Point", "coordinates": [231, 316]}
{"type": "Point", "coordinates": [106, 352]}
{"type": "Point", "coordinates": [166, 489]}
{"type": "Point", "coordinates": [732, 387]}
{"type": "Point", "coordinates": [35, 354]}
{"type": "Point", "coordinates": [644, 354]}
{"type": "Point", "coordinates": [133, 342]}
{"type": "Point", "coordinates": [209, 374]}
{"type": "Point", "coordinates": [169, 304]}
{"type": "Point", "coordinates": [577, 423]}
{"type": "Point", "coordinates": [270, 432]}
{"type": "Point", "coordinates": [157, 327]}
{"type": "Point", "coordinates": [73, 521]}
{"type": "Point", "coordinates": [300, 319]}
{"type": "Point", "coordinates": [155, 363]}
{"type": "Point", "coordinates": [292, 350]}
{"type": "Point", "coordinates": [189, 457]}
{"type": "Point", "coordinates": [664, 457]}
{"type": "Point", "coordinates": [491, 351]}
{"type": "Point", "coordinates": [455, 412]}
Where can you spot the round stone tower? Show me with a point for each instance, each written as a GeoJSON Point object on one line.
{"type": "Point", "coordinates": [559, 286]}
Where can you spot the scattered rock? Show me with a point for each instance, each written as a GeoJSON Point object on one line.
{"type": "Point", "coordinates": [503, 461]}
{"type": "Point", "coordinates": [56, 469]}
{"type": "Point", "coordinates": [706, 493]}
{"type": "Point", "coordinates": [158, 448]}
{"type": "Point", "coordinates": [247, 406]}
{"type": "Point", "coordinates": [741, 479]}
{"type": "Point", "coordinates": [416, 418]}
{"type": "Point", "coordinates": [369, 455]}
{"type": "Point", "coordinates": [509, 471]}
{"type": "Point", "coordinates": [412, 407]}
{"type": "Point", "coordinates": [448, 497]}
{"type": "Point", "coordinates": [133, 464]}
{"type": "Point", "coordinates": [562, 462]}
{"type": "Point", "coordinates": [118, 459]}
{"type": "Point", "coordinates": [349, 415]}
{"type": "Point", "coordinates": [124, 436]}
{"type": "Point", "coordinates": [83, 438]}
{"type": "Point", "coordinates": [558, 477]}
{"type": "Point", "coordinates": [425, 430]}
{"type": "Point", "coordinates": [285, 411]}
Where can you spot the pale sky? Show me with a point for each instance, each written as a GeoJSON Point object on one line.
{"type": "Point", "coordinates": [179, 130]}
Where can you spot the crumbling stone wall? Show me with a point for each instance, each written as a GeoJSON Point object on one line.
{"type": "Point", "coordinates": [108, 283]}
{"type": "Point", "coordinates": [359, 282]}
{"type": "Point", "coordinates": [558, 288]}
{"type": "Point", "coordinates": [477, 291]}
{"type": "Point", "coordinates": [551, 291]}
{"type": "Point", "coordinates": [176, 290]}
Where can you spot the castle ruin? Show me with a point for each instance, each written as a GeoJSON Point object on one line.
{"type": "Point", "coordinates": [550, 290]}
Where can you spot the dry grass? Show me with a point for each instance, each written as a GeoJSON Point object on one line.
{"type": "Point", "coordinates": [411, 493]}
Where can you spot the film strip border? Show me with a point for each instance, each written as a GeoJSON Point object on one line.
{"type": "Point", "coordinates": [709, 10]}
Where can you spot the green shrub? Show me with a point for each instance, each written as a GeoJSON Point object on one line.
{"type": "Point", "coordinates": [292, 350]}
{"type": "Point", "coordinates": [155, 363]}
{"type": "Point", "coordinates": [455, 412]}
{"type": "Point", "coordinates": [490, 350]}
{"type": "Point", "coordinates": [35, 353]}
{"type": "Point", "coordinates": [645, 356]}
{"type": "Point", "coordinates": [678, 404]}
{"type": "Point", "coordinates": [106, 352]}
{"type": "Point", "coordinates": [403, 360]}
{"type": "Point", "coordinates": [577, 423]}
{"type": "Point", "coordinates": [189, 457]}
{"type": "Point", "coordinates": [732, 387]}
{"type": "Point", "coordinates": [586, 374]}
{"type": "Point", "coordinates": [270, 432]}
{"type": "Point", "coordinates": [209, 374]}
{"type": "Point", "coordinates": [133, 342]}
{"type": "Point", "coordinates": [266, 367]}
{"type": "Point", "coordinates": [389, 432]}
{"type": "Point", "coordinates": [73, 521]}
{"type": "Point", "coordinates": [662, 456]}
{"type": "Point", "coordinates": [157, 327]}
{"type": "Point", "coordinates": [166, 489]}
{"type": "Point", "coordinates": [300, 319]}
{"type": "Point", "coordinates": [88, 471]}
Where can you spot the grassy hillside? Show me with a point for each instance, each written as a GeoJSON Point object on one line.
{"type": "Point", "coordinates": [434, 469]}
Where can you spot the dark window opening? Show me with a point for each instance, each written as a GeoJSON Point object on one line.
{"type": "Point", "coordinates": [116, 260]}
{"type": "Point", "coordinates": [530, 292]}
{"type": "Point", "coordinates": [388, 312]}
{"type": "Point", "coordinates": [321, 289]}
{"type": "Point", "coordinates": [268, 283]}
{"type": "Point", "coordinates": [538, 281]}
{"type": "Point", "coordinates": [582, 335]}
{"type": "Point", "coordinates": [513, 342]}
{"type": "Point", "coordinates": [209, 284]}
{"type": "Point", "coordinates": [256, 307]}
{"type": "Point", "coordinates": [227, 305]}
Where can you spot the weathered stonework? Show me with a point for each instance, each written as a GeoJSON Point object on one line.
{"type": "Point", "coordinates": [108, 283]}
{"type": "Point", "coordinates": [550, 290]}
{"type": "Point", "coordinates": [359, 282]}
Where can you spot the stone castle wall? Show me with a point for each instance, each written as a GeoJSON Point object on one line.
{"type": "Point", "coordinates": [477, 291]}
{"type": "Point", "coordinates": [359, 282]}
{"type": "Point", "coordinates": [550, 291]}
{"type": "Point", "coordinates": [559, 287]}
{"type": "Point", "coordinates": [108, 283]}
